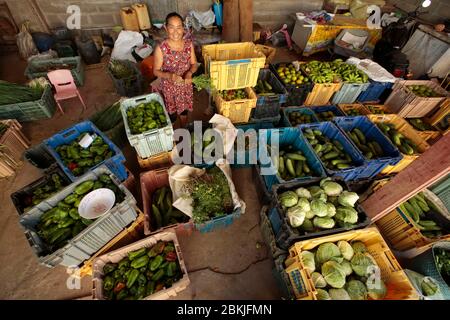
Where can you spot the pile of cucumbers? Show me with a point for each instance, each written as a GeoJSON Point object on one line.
{"type": "Point", "coordinates": [333, 72]}
{"type": "Point", "coordinates": [370, 149]}
{"type": "Point", "coordinates": [291, 164]}
{"type": "Point", "coordinates": [163, 213]}
{"type": "Point", "coordinates": [352, 112]}
{"type": "Point", "coordinates": [376, 109]}
{"type": "Point", "coordinates": [263, 88]}
{"type": "Point", "coordinates": [146, 116]}
{"type": "Point", "coordinates": [420, 125]}
{"type": "Point", "coordinates": [325, 115]}
{"type": "Point", "coordinates": [405, 145]}
{"type": "Point", "coordinates": [423, 91]}
{"type": "Point", "coordinates": [142, 272]}
{"type": "Point", "coordinates": [63, 222]}
{"type": "Point", "coordinates": [330, 152]}
{"type": "Point", "coordinates": [421, 211]}
{"type": "Point", "coordinates": [296, 118]}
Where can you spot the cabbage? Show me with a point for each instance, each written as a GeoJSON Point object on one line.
{"type": "Point", "coordinates": [324, 223]}
{"type": "Point", "coordinates": [359, 247]}
{"type": "Point", "coordinates": [318, 280]}
{"type": "Point", "coordinates": [308, 261]}
{"type": "Point", "coordinates": [363, 264]}
{"type": "Point", "coordinates": [339, 294]}
{"type": "Point", "coordinates": [307, 225]}
{"type": "Point", "coordinates": [346, 249]}
{"type": "Point", "coordinates": [303, 203]}
{"type": "Point", "coordinates": [315, 191]}
{"type": "Point", "coordinates": [333, 274]}
{"type": "Point", "coordinates": [322, 295]}
{"type": "Point", "coordinates": [332, 189]}
{"type": "Point", "coordinates": [356, 290]}
{"type": "Point", "coordinates": [331, 209]}
{"type": "Point", "coordinates": [326, 251]}
{"type": "Point", "coordinates": [296, 216]}
{"type": "Point", "coordinates": [376, 290]}
{"type": "Point", "coordinates": [310, 215]}
{"type": "Point", "coordinates": [347, 267]}
{"type": "Point", "coordinates": [323, 181]}
{"type": "Point", "coordinates": [333, 200]}
{"type": "Point", "coordinates": [319, 208]}
{"type": "Point", "coordinates": [288, 199]}
{"type": "Point", "coordinates": [303, 193]}
{"type": "Point", "coordinates": [346, 215]}
{"type": "Point", "coordinates": [348, 199]}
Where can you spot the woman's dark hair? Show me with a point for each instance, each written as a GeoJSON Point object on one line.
{"type": "Point", "coordinates": [172, 15]}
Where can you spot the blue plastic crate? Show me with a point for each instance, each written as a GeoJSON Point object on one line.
{"type": "Point", "coordinates": [250, 156]}
{"type": "Point", "coordinates": [294, 138]}
{"type": "Point", "coordinates": [282, 278]}
{"type": "Point", "coordinates": [318, 109]}
{"type": "Point", "coordinates": [333, 133]}
{"type": "Point", "coordinates": [115, 163]}
{"type": "Point", "coordinates": [218, 222]}
{"type": "Point", "coordinates": [302, 110]}
{"type": "Point", "coordinates": [268, 106]}
{"type": "Point", "coordinates": [374, 91]}
{"type": "Point", "coordinates": [372, 133]}
{"type": "Point", "coordinates": [274, 120]}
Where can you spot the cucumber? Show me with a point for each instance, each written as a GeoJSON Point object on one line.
{"type": "Point", "coordinates": [299, 168]}
{"type": "Point", "coordinates": [416, 207]}
{"type": "Point", "coordinates": [281, 165]}
{"type": "Point", "coordinates": [361, 136]}
{"type": "Point", "coordinates": [306, 168]}
{"type": "Point", "coordinates": [331, 155]}
{"type": "Point", "coordinates": [290, 167]}
{"type": "Point", "coordinates": [378, 148]}
{"type": "Point", "coordinates": [295, 156]}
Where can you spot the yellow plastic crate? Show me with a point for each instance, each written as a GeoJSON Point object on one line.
{"type": "Point", "coordinates": [321, 93]}
{"type": "Point", "coordinates": [373, 108]}
{"type": "Point", "coordinates": [356, 106]}
{"type": "Point", "coordinates": [406, 130]}
{"type": "Point", "coordinates": [238, 110]}
{"type": "Point", "coordinates": [233, 65]}
{"type": "Point", "coordinates": [402, 233]}
{"type": "Point", "coordinates": [392, 274]}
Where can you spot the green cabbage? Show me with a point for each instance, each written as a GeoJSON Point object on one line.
{"type": "Point", "coordinates": [324, 223]}
{"type": "Point", "coordinates": [296, 216]}
{"type": "Point", "coordinates": [333, 274]}
{"type": "Point", "coordinates": [318, 280]}
{"type": "Point", "coordinates": [303, 193]}
{"type": "Point", "coordinates": [339, 294]}
{"type": "Point", "coordinates": [326, 251]}
{"type": "Point", "coordinates": [315, 191]}
{"type": "Point", "coordinates": [303, 204]}
{"type": "Point", "coordinates": [346, 215]}
{"type": "Point", "coordinates": [332, 189]}
{"type": "Point", "coordinates": [322, 295]}
{"type": "Point", "coordinates": [359, 247]}
{"type": "Point", "coordinates": [346, 249]}
{"type": "Point", "coordinates": [331, 209]}
{"type": "Point", "coordinates": [348, 199]}
{"type": "Point", "coordinates": [310, 215]}
{"type": "Point", "coordinates": [356, 290]}
{"type": "Point", "coordinates": [307, 225]}
{"type": "Point", "coordinates": [347, 267]}
{"type": "Point", "coordinates": [363, 264]}
{"type": "Point", "coordinates": [308, 261]}
{"type": "Point", "coordinates": [319, 208]}
{"type": "Point", "coordinates": [288, 199]}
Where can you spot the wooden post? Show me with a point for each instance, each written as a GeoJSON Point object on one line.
{"type": "Point", "coordinates": [246, 20]}
{"type": "Point", "coordinates": [230, 31]}
{"type": "Point", "coordinates": [431, 166]}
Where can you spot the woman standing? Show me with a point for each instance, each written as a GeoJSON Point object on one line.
{"type": "Point", "coordinates": [175, 63]}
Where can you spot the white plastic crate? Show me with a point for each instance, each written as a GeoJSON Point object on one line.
{"type": "Point", "coordinates": [93, 237]}
{"type": "Point", "coordinates": [349, 92]}
{"type": "Point", "coordinates": [151, 142]}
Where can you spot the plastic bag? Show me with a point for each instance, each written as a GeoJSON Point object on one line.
{"type": "Point", "coordinates": [180, 178]}
{"type": "Point", "coordinates": [25, 42]}
{"type": "Point", "coordinates": [372, 69]}
{"type": "Point", "coordinates": [416, 280]}
{"type": "Point", "coordinates": [125, 43]}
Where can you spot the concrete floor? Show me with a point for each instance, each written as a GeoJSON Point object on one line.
{"type": "Point", "coordinates": [232, 263]}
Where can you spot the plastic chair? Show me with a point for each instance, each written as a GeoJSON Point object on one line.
{"type": "Point", "coordinates": [65, 86]}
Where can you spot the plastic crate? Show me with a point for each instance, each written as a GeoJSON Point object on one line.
{"type": "Point", "coordinates": [233, 65]}
{"type": "Point", "coordinates": [425, 264]}
{"type": "Point", "coordinates": [275, 121]}
{"type": "Point", "coordinates": [93, 237]}
{"type": "Point", "coordinates": [349, 92]}
{"type": "Point", "coordinates": [39, 157]}
{"type": "Point", "coordinates": [150, 182]}
{"type": "Point", "coordinates": [268, 235]}
{"type": "Point", "coordinates": [282, 278]}
{"type": "Point", "coordinates": [333, 133]}
{"type": "Point", "coordinates": [440, 113]}
{"type": "Point", "coordinates": [129, 87]}
{"type": "Point", "coordinates": [19, 197]}
{"type": "Point", "coordinates": [407, 105]}
{"type": "Point", "coordinates": [392, 274]}
{"type": "Point", "coordinates": [372, 166]}
{"type": "Point", "coordinates": [402, 233]}
{"type": "Point", "coordinates": [407, 131]}
{"type": "Point", "coordinates": [301, 110]}
{"type": "Point", "coordinates": [115, 163]}
{"type": "Point", "coordinates": [319, 109]}
{"type": "Point", "coordinates": [119, 254]}
{"type": "Point", "coordinates": [162, 160]}
{"type": "Point", "coordinates": [297, 94]}
{"type": "Point", "coordinates": [285, 235]}
{"type": "Point", "coordinates": [321, 93]}
{"type": "Point", "coordinates": [374, 108]}
{"type": "Point", "coordinates": [239, 110]}
{"type": "Point", "coordinates": [43, 108]}
{"type": "Point", "coordinates": [40, 67]}
{"type": "Point", "coordinates": [346, 107]}
{"type": "Point", "coordinates": [247, 158]}
{"type": "Point", "coordinates": [268, 106]}
{"type": "Point", "coordinates": [374, 91]}
{"type": "Point", "coordinates": [218, 222]}
{"type": "Point", "coordinates": [291, 137]}
{"type": "Point", "coordinates": [151, 142]}
{"type": "Point", "coordinates": [129, 235]}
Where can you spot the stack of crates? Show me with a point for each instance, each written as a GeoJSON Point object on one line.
{"type": "Point", "coordinates": [234, 66]}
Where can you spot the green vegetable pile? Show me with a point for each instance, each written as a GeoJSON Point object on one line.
{"type": "Point", "coordinates": [63, 222]}
{"type": "Point", "coordinates": [325, 115]}
{"type": "Point", "coordinates": [142, 273]}
{"type": "Point", "coordinates": [36, 196]}
{"type": "Point", "coordinates": [202, 82]}
{"type": "Point", "coordinates": [292, 164]}
{"type": "Point", "coordinates": [442, 258]}
{"type": "Point", "coordinates": [422, 211]}
{"type": "Point", "coordinates": [296, 118]}
{"type": "Point", "coordinates": [376, 109]}
{"type": "Point", "coordinates": [236, 94]}
{"type": "Point", "coordinates": [146, 116]}
{"type": "Point", "coordinates": [80, 160]}
{"type": "Point", "coordinates": [352, 112]}
{"type": "Point", "coordinates": [370, 149]}
{"type": "Point", "coordinates": [334, 71]}
{"type": "Point", "coordinates": [330, 152]}
{"type": "Point", "coordinates": [420, 125]}
{"type": "Point", "coordinates": [405, 145]}
{"type": "Point", "coordinates": [344, 271]}
{"type": "Point", "coordinates": [263, 88]}
{"type": "Point", "coordinates": [211, 196]}
{"type": "Point", "coordinates": [319, 207]}
{"type": "Point", "coordinates": [423, 91]}
{"type": "Point", "coordinates": [163, 212]}
{"type": "Point", "coordinates": [15, 93]}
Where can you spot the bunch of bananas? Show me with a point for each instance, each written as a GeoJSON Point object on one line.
{"type": "Point", "coordinates": [334, 71]}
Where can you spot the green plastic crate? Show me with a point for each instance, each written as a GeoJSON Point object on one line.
{"type": "Point", "coordinates": [442, 191]}
{"type": "Point", "coordinates": [39, 68]}
{"type": "Point", "coordinates": [31, 110]}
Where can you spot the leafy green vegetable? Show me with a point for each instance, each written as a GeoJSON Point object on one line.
{"type": "Point", "coordinates": [323, 295]}
{"type": "Point", "coordinates": [356, 290]}
{"type": "Point", "coordinates": [15, 93]}
{"type": "Point", "coordinates": [296, 216]}
{"type": "Point", "coordinates": [339, 294]}
{"type": "Point", "coordinates": [345, 249]}
{"type": "Point", "coordinates": [333, 274]}
{"type": "Point", "coordinates": [308, 261]}
{"type": "Point", "coordinates": [323, 223]}
{"type": "Point", "coordinates": [201, 82]}
{"type": "Point", "coordinates": [326, 251]}
{"type": "Point", "coordinates": [318, 280]}
{"type": "Point", "coordinates": [363, 264]}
